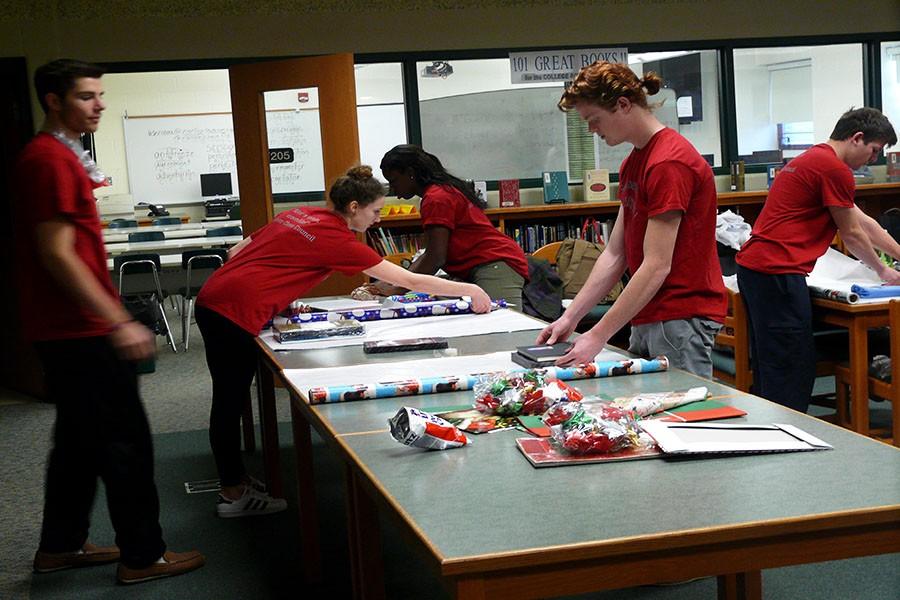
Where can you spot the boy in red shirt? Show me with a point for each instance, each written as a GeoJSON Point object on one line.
{"type": "Point", "coordinates": [86, 342]}
{"type": "Point", "coordinates": [810, 200]}
{"type": "Point", "coordinates": [664, 233]}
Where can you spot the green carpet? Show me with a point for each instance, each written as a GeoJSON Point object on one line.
{"type": "Point", "coordinates": [259, 558]}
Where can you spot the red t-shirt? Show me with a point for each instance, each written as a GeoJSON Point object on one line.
{"type": "Point", "coordinates": [473, 239]}
{"type": "Point", "coordinates": [51, 183]}
{"type": "Point", "coordinates": [795, 226]}
{"type": "Point", "coordinates": [284, 260]}
{"type": "Point", "coordinates": [669, 174]}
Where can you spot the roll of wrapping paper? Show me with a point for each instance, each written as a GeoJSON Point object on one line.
{"type": "Point", "coordinates": [876, 291]}
{"type": "Point", "coordinates": [454, 383]}
{"type": "Point", "coordinates": [430, 309]}
{"type": "Point", "coordinates": [836, 295]}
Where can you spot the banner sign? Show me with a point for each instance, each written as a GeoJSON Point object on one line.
{"type": "Point", "coordinates": [558, 65]}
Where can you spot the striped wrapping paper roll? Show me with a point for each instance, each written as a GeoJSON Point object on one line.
{"type": "Point", "coordinates": [428, 309]}
{"type": "Point", "coordinates": [453, 383]}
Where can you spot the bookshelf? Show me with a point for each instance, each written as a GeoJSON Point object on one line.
{"type": "Point", "coordinates": [873, 198]}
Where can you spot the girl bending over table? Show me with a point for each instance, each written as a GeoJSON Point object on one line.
{"type": "Point", "coordinates": [264, 274]}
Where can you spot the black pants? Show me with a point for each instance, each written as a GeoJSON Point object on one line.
{"type": "Point", "coordinates": [231, 358]}
{"type": "Point", "coordinates": [101, 431]}
{"type": "Point", "coordinates": [782, 349]}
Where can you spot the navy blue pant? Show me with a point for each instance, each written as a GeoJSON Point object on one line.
{"type": "Point", "coordinates": [782, 350]}
{"type": "Point", "coordinates": [101, 431]}
{"type": "Point", "coordinates": [232, 359]}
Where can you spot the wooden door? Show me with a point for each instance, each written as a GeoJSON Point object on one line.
{"type": "Point", "coordinates": [333, 78]}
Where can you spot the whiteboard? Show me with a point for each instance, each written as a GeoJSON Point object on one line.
{"type": "Point", "coordinates": [167, 154]}
{"type": "Point", "coordinates": [501, 134]}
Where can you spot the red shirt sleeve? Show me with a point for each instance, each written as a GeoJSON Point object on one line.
{"type": "Point", "coordinates": [354, 257]}
{"type": "Point", "coordinates": [52, 188]}
{"type": "Point", "coordinates": [670, 186]}
{"type": "Point", "coordinates": [838, 188]}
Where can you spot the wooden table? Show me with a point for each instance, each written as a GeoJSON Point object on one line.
{"type": "Point", "coordinates": [857, 319]}
{"type": "Point", "coordinates": [493, 526]}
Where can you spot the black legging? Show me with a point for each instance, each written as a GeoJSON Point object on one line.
{"type": "Point", "coordinates": [231, 358]}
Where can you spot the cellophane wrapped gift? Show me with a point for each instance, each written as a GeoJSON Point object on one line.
{"type": "Point", "coordinates": [591, 429]}
{"type": "Point", "coordinates": [525, 393]}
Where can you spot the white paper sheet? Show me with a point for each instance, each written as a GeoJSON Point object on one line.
{"type": "Point", "coordinates": [498, 321]}
{"type": "Point", "coordinates": [343, 304]}
{"type": "Point", "coordinates": [305, 379]}
{"type": "Point", "coordinates": [837, 271]}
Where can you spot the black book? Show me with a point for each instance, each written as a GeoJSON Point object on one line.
{"type": "Point", "coordinates": [540, 355]}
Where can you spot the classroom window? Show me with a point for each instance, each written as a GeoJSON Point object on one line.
{"type": "Point", "coordinates": [688, 101]}
{"type": "Point", "coordinates": [380, 110]}
{"type": "Point", "coordinates": [890, 83]}
{"type": "Point", "coordinates": [482, 127]}
{"type": "Point", "coordinates": [789, 98]}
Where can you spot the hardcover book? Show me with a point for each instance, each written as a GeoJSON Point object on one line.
{"type": "Point", "coordinates": [509, 193]}
{"type": "Point", "coordinates": [893, 166]}
{"type": "Point", "coordinates": [596, 185]}
{"type": "Point", "coordinates": [556, 187]}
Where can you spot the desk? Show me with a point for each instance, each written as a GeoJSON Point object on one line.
{"type": "Point", "coordinates": [173, 258]}
{"type": "Point", "coordinates": [175, 244]}
{"type": "Point", "coordinates": [194, 227]}
{"type": "Point", "coordinates": [601, 526]}
{"type": "Point", "coordinates": [857, 319]}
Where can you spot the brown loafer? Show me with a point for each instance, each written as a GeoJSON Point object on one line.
{"type": "Point", "coordinates": [175, 563]}
{"type": "Point", "coordinates": [88, 556]}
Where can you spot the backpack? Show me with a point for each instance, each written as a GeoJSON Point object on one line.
{"type": "Point", "coordinates": [574, 262]}
{"type": "Point", "coordinates": [542, 294]}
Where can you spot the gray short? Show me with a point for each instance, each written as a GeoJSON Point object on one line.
{"type": "Point", "coordinates": [687, 343]}
{"type": "Point", "coordinates": [499, 280]}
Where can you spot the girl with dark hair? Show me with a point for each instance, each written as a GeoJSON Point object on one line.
{"type": "Point", "coordinates": [264, 274]}
{"type": "Point", "coordinates": [664, 233]}
{"type": "Point", "coordinates": [459, 237]}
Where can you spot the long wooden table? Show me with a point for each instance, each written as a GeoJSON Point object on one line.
{"type": "Point", "coordinates": [857, 319]}
{"type": "Point", "coordinates": [493, 526]}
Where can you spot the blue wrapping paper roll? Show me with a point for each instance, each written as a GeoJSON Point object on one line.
{"type": "Point", "coordinates": [430, 309]}
{"type": "Point", "coordinates": [876, 291]}
{"type": "Point", "coordinates": [453, 383]}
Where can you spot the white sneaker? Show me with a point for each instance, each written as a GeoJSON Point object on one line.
{"type": "Point", "coordinates": [249, 504]}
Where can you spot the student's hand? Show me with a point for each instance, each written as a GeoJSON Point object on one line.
{"type": "Point", "coordinates": [890, 276]}
{"type": "Point", "coordinates": [481, 302]}
{"type": "Point", "coordinates": [382, 288]}
{"type": "Point", "coordinates": [133, 341]}
{"type": "Point", "coordinates": [586, 348]}
{"type": "Point", "coordinates": [557, 331]}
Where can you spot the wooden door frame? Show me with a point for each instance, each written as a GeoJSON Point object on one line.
{"type": "Point", "coordinates": [333, 76]}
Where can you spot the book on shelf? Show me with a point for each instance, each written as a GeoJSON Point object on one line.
{"type": "Point", "coordinates": [509, 193]}
{"type": "Point", "coordinates": [481, 190]}
{"type": "Point", "coordinates": [596, 185]}
{"type": "Point", "coordinates": [531, 236]}
{"type": "Point", "coordinates": [387, 242]}
{"type": "Point", "coordinates": [556, 187]}
{"type": "Point", "coordinates": [893, 166]}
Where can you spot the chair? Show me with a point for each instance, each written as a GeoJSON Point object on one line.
{"type": "Point", "coordinates": [146, 236]}
{"type": "Point", "coordinates": [878, 388]}
{"type": "Point", "coordinates": [167, 221]}
{"type": "Point", "coordinates": [122, 223]}
{"type": "Point", "coordinates": [224, 231]}
{"type": "Point", "coordinates": [549, 252]}
{"type": "Point", "coordinates": [207, 260]}
{"type": "Point", "coordinates": [135, 264]}
{"type": "Point", "coordinates": [731, 353]}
